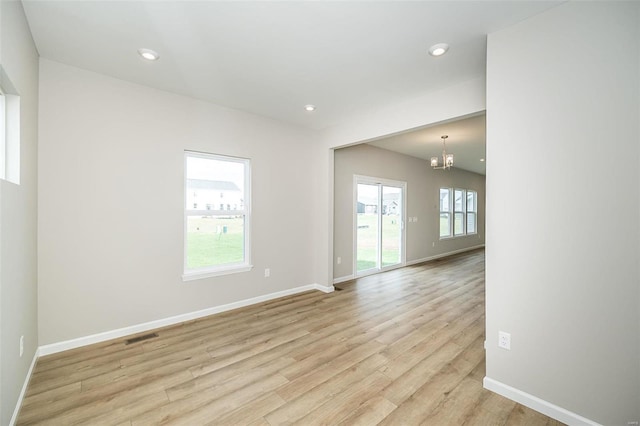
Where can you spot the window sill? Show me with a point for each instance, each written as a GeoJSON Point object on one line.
{"type": "Point", "coordinates": [457, 236]}
{"type": "Point", "coordinates": [192, 276]}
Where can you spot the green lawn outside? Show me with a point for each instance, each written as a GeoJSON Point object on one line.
{"type": "Point", "coordinates": [444, 226]}
{"type": "Point", "coordinates": [368, 240]}
{"type": "Point", "coordinates": [458, 225]}
{"type": "Point", "coordinates": [214, 241]}
{"type": "Point", "coordinates": [445, 231]}
{"type": "Point", "coordinates": [208, 244]}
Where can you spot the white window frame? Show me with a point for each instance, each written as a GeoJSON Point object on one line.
{"type": "Point", "coordinates": [452, 212]}
{"type": "Point", "coordinates": [9, 130]}
{"type": "Point", "coordinates": [213, 271]}
{"type": "Point", "coordinates": [474, 212]}
{"type": "Point", "coordinates": [3, 135]}
{"type": "Point", "coordinates": [455, 212]}
{"type": "Point", "coordinates": [449, 213]}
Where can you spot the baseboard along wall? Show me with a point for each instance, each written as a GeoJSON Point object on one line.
{"type": "Point", "coordinates": [415, 262]}
{"type": "Point", "coordinates": [447, 254]}
{"type": "Point", "coordinates": [535, 403]}
{"type": "Point", "coordinates": [16, 411]}
{"type": "Point", "coordinates": [151, 325]}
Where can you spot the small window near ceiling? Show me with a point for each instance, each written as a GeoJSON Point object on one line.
{"type": "Point", "coordinates": [217, 242]}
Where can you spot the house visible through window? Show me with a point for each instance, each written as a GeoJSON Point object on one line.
{"type": "Point", "coordinates": [463, 205]}
{"type": "Point", "coordinates": [216, 241]}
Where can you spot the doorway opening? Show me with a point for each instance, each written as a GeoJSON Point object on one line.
{"type": "Point", "coordinates": [379, 217]}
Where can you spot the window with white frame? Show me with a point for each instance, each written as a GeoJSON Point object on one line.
{"type": "Point", "coordinates": [216, 240]}
{"type": "Point", "coordinates": [9, 130]}
{"type": "Point", "coordinates": [3, 134]}
{"type": "Point", "coordinates": [445, 212]}
{"type": "Point", "coordinates": [458, 212]}
{"type": "Point", "coordinates": [472, 212]}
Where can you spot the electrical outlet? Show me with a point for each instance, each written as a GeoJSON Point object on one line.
{"type": "Point", "coordinates": [415, 218]}
{"type": "Point", "coordinates": [504, 340]}
{"type": "Point", "coordinates": [21, 346]}
{"type": "Point", "coordinates": [267, 272]}
{"type": "Point", "coordinates": [433, 244]}
{"type": "Point", "coordinates": [339, 261]}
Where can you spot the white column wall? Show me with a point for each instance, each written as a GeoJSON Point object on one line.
{"type": "Point", "coordinates": [18, 215]}
{"type": "Point", "coordinates": [562, 244]}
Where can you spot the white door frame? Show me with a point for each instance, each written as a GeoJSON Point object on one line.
{"type": "Point", "coordinates": [369, 180]}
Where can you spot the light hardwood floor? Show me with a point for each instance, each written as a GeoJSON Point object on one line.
{"type": "Point", "coordinates": [402, 347]}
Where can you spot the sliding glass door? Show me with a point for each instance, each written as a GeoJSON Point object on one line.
{"type": "Point", "coordinates": [379, 224]}
{"type": "Point", "coordinates": [367, 225]}
{"type": "Point", "coordinates": [392, 226]}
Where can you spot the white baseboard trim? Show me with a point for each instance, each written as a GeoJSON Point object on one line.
{"type": "Point", "coordinates": [343, 279]}
{"type": "Point", "coordinates": [151, 325]}
{"type": "Point", "coordinates": [535, 403]}
{"type": "Point", "coordinates": [438, 256]}
{"type": "Point", "coordinates": [409, 263]}
{"type": "Point", "coordinates": [324, 288]}
{"type": "Point", "coordinates": [16, 411]}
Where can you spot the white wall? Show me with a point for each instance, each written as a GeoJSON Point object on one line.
{"type": "Point", "coordinates": [111, 196]}
{"type": "Point", "coordinates": [562, 206]}
{"type": "Point", "coordinates": [18, 208]}
{"type": "Point", "coordinates": [424, 108]}
{"type": "Point", "coordinates": [423, 184]}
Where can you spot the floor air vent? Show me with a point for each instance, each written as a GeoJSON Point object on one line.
{"type": "Point", "coordinates": [337, 288]}
{"type": "Point", "coordinates": [140, 338]}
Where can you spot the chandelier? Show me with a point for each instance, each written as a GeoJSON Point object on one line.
{"type": "Point", "coordinates": [447, 159]}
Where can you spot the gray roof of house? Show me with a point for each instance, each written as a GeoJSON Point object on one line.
{"type": "Point", "coordinates": [216, 185]}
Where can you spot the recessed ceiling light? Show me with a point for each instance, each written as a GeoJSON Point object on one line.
{"type": "Point", "coordinates": [148, 54]}
{"type": "Point", "coordinates": [438, 49]}
{"type": "Point", "coordinates": [310, 107]}
{"type": "Point", "coordinates": [482, 159]}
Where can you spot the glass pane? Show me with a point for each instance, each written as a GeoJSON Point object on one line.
{"type": "Point", "coordinates": [391, 225]}
{"type": "Point", "coordinates": [367, 222]}
{"type": "Point", "coordinates": [471, 223]}
{"type": "Point", "coordinates": [458, 201]}
{"type": "Point", "coordinates": [444, 199]}
{"type": "Point", "coordinates": [458, 224]}
{"type": "Point", "coordinates": [214, 184]}
{"type": "Point", "coordinates": [445, 224]}
{"type": "Point", "coordinates": [471, 201]}
{"type": "Point", "coordinates": [214, 241]}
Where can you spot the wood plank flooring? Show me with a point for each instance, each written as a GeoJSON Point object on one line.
{"type": "Point", "coordinates": [403, 347]}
